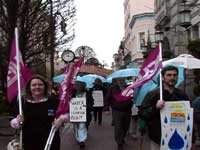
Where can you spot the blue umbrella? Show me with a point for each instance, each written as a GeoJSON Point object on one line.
{"type": "Point", "coordinates": [129, 72]}
{"type": "Point", "coordinates": [90, 78]}
{"type": "Point", "coordinates": [59, 78]}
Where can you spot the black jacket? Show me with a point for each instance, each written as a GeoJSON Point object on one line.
{"type": "Point", "coordinates": [151, 114]}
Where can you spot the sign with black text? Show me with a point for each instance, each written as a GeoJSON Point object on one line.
{"type": "Point", "coordinates": [78, 109]}
{"type": "Point", "coordinates": [98, 98]}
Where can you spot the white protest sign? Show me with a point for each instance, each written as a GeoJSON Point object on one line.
{"type": "Point", "coordinates": [78, 109]}
{"type": "Point", "coordinates": [176, 126]}
{"type": "Point", "coordinates": [98, 98]}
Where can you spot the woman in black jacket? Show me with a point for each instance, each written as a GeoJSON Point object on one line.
{"type": "Point", "coordinates": [39, 112]}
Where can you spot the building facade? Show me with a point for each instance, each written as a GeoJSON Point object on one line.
{"type": "Point", "coordinates": [138, 31]}
{"type": "Point", "coordinates": [168, 20]}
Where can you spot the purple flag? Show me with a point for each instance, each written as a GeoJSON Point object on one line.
{"type": "Point", "coordinates": [12, 88]}
{"type": "Point", "coordinates": [149, 68]}
{"type": "Point", "coordinates": [67, 87]}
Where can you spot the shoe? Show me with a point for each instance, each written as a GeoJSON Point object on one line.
{"type": "Point", "coordinates": [123, 141]}
{"type": "Point", "coordinates": [82, 145]}
{"type": "Point", "coordinates": [120, 147]}
{"type": "Point", "coordinates": [134, 136]}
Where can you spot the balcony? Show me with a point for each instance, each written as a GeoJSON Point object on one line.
{"type": "Point", "coordinates": [162, 16]}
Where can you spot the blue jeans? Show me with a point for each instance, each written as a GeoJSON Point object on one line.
{"type": "Point", "coordinates": [80, 131]}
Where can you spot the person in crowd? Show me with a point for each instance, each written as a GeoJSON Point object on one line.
{"type": "Point", "coordinates": [121, 111]}
{"type": "Point", "coordinates": [196, 106]}
{"type": "Point", "coordinates": [134, 122]}
{"type": "Point", "coordinates": [97, 110]}
{"type": "Point", "coordinates": [55, 89]}
{"type": "Point", "coordinates": [80, 128]}
{"type": "Point", "coordinates": [152, 104]}
{"type": "Point", "coordinates": [39, 112]}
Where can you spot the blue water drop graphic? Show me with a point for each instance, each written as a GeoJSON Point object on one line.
{"type": "Point", "coordinates": [166, 121]}
{"type": "Point", "coordinates": [185, 137]}
{"type": "Point", "coordinates": [188, 128]}
{"type": "Point", "coordinates": [166, 135]}
{"type": "Point", "coordinates": [188, 118]}
{"type": "Point", "coordinates": [176, 142]}
{"type": "Point", "coordinates": [163, 142]}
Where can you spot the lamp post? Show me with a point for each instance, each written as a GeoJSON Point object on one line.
{"type": "Point", "coordinates": [185, 22]}
{"type": "Point", "coordinates": [52, 28]}
{"type": "Point", "coordinates": [68, 56]}
{"type": "Point", "coordinates": [185, 18]}
{"type": "Point", "coordinates": [149, 44]}
{"type": "Point", "coordinates": [185, 15]}
{"type": "Point", "coordinates": [158, 36]}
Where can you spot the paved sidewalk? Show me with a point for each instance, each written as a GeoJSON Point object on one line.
{"type": "Point", "coordinates": [99, 138]}
{"type": "Point", "coordinates": [6, 132]}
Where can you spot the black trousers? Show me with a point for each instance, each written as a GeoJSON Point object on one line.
{"type": "Point", "coordinates": [98, 114]}
{"type": "Point", "coordinates": [121, 122]}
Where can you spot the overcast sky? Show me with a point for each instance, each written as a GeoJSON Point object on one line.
{"type": "Point", "coordinates": [100, 25]}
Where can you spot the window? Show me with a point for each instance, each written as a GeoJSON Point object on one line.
{"type": "Point", "coordinates": [195, 32]}
{"type": "Point", "coordinates": [142, 40]}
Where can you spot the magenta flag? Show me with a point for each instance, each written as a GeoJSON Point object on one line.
{"type": "Point", "coordinates": [149, 68]}
{"type": "Point", "coordinates": [25, 74]}
{"type": "Point", "coordinates": [67, 87]}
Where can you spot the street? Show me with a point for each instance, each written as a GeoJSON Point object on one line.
{"type": "Point", "coordinates": [99, 137]}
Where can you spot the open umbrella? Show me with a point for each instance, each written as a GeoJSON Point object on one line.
{"type": "Point", "coordinates": [129, 72]}
{"type": "Point", "coordinates": [90, 78]}
{"type": "Point", "coordinates": [59, 78]}
{"type": "Point", "coordinates": [184, 60]}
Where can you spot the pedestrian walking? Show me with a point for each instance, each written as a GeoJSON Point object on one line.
{"type": "Point", "coordinates": [150, 109]}
{"type": "Point", "coordinates": [98, 109]}
{"type": "Point", "coordinates": [81, 128]}
{"type": "Point", "coordinates": [121, 111]}
{"type": "Point", "coordinates": [134, 122]}
{"type": "Point", "coordinates": [39, 111]}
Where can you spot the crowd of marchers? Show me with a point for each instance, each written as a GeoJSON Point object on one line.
{"type": "Point", "coordinates": [39, 111]}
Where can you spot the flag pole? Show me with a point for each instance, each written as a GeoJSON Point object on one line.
{"type": "Point", "coordinates": [160, 58]}
{"type": "Point", "coordinates": [50, 138]}
{"type": "Point", "coordinates": [18, 71]}
{"type": "Point", "coordinates": [18, 82]}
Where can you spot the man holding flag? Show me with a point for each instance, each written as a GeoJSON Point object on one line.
{"type": "Point", "coordinates": [152, 104]}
